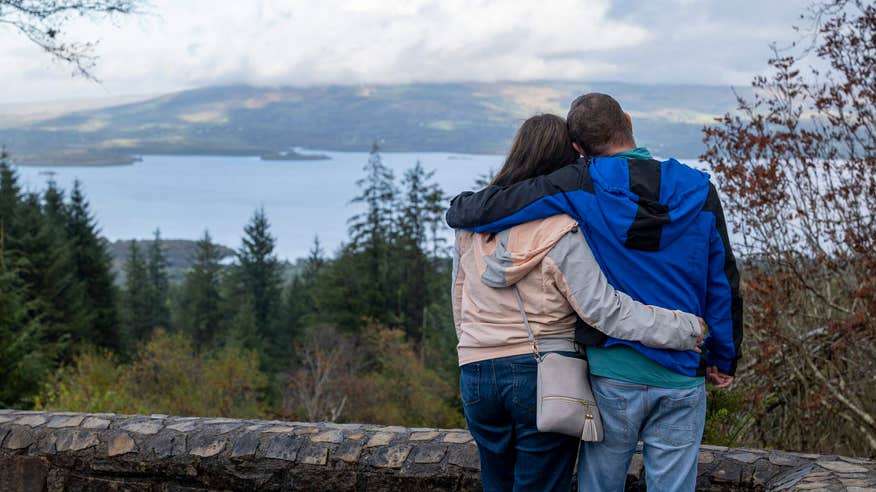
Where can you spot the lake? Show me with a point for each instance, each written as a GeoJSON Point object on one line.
{"type": "Point", "coordinates": [184, 195]}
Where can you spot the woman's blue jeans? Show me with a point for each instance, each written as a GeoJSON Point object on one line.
{"type": "Point", "coordinates": [499, 398]}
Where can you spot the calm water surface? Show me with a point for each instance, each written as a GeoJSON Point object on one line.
{"type": "Point", "coordinates": [184, 195]}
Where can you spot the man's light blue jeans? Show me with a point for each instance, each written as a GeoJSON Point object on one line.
{"type": "Point", "coordinates": [670, 422]}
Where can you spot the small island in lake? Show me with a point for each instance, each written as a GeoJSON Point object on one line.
{"type": "Point", "coordinates": [292, 155]}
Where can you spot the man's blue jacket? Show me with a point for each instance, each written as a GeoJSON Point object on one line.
{"type": "Point", "coordinates": [657, 230]}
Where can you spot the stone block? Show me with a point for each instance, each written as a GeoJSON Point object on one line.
{"type": "Point", "coordinates": [458, 437]}
{"type": "Point", "coordinates": [813, 486]}
{"type": "Point", "coordinates": [209, 449]}
{"type": "Point", "coordinates": [423, 436]}
{"type": "Point", "coordinates": [76, 440]}
{"type": "Point", "coordinates": [333, 436]}
{"type": "Point", "coordinates": [842, 467]}
{"type": "Point", "coordinates": [19, 439]}
{"type": "Point", "coordinates": [791, 478]}
{"type": "Point", "coordinates": [279, 429]}
{"type": "Point", "coordinates": [282, 447]}
{"type": "Point", "coordinates": [391, 456]}
{"type": "Point", "coordinates": [348, 451]}
{"type": "Point", "coordinates": [144, 427]}
{"type": "Point", "coordinates": [305, 430]}
{"type": "Point", "coordinates": [120, 444]}
{"type": "Point", "coordinates": [31, 420]}
{"type": "Point", "coordinates": [313, 455]}
{"type": "Point", "coordinates": [167, 444]}
{"type": "Point", "coordinates": [224, 428]}
{"type": "Point", "coordinates": [245, 445]}
{"type": "Point", "coordinates": [65, 421]}
{"type": "Point", "coordinates": [854, 482]}
{"type": "Point", "coordinates": [727, 472]}
{"type": "Point", "coordinates": [46, 444]}
{"type": "Point", "coordinates": [744, 457]}
{"type": "Point", "coordinates": [186, 426]}
{"type": "Point", "coordinates": [783, 459]}
{"type": "Point", "coordinates": [465, 457]}
{"type": "Point", "coordinates": [429, 454]}
{"type": "Point", "coordinates": [380, 439]}
{"type": "Point", "coordinates": [96, 423]}
{"type": "Point", "coordinates": [860, 461]}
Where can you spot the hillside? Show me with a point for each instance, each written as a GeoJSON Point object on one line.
{"type": "Point", "coordinates": [180, 255]}
{"type": "Point", "coordinates": [453, 117]}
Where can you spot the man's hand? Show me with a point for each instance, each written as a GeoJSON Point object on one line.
{"type": "Point", "coordinates": [719, 379]}
{"type": "Point", "coordinates": [704, 332]}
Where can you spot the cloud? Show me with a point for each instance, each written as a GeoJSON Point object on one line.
{"type": "Point", "coordinates": [189, 43]}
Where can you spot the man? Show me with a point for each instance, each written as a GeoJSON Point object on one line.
{"type": "Point", "coordinates": [657, 230]}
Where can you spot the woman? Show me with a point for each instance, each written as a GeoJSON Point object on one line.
{"type": "Point", "coordinates": [559, 280]}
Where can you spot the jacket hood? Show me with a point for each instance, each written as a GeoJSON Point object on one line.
{"type": "Point", "coordinates": [647, 204]}
{"type": "Point", "coordinates": [522, 248]}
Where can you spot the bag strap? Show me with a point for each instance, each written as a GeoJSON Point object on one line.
{"type": "Point", "coordinates": [532, 340]}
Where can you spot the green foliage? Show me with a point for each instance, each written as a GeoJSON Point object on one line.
{"type": "Point", "coordinates": [258, 284]}
{"type": "Point", "coordinates": [158, 284]}
{"type": "Point", "coordinates": [166, 376]}
{"type": "Point", "coordinates": [201, 297]}
{"type": "Point", "coordinates": [93, 266]}
{"type": "Point", "coordinates": [403, 390]}
{"type": "Point", "coordinates": [25, 359]}
{"type": "Point", "coordinates": [727, 416]}
{"type": "Point", "coordinates": [136, 310]}
{"type": "Point", "coordinates": [94, 382]}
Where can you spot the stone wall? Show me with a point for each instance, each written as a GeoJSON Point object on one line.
{"type": "Point", "coordinates": [73, 451]}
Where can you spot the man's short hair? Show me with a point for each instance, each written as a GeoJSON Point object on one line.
{"type": "Point", "coordinates": [597, 123]}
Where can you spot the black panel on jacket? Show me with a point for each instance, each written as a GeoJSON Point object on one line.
{"type": "Point", "coordinates": [645, 231]}
{"type": "Point", "coordinates": [713, 204]}
{"type": "Point", "coordinates": [473, 209]}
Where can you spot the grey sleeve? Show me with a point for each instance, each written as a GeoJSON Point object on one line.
{"type": "Point", "coordinates": [610, 311]}
{"type": "Point", "coordinates": [457, 279]}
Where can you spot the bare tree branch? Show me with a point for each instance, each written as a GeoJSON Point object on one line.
{"type": "Point", "coordinates": [43, 22]}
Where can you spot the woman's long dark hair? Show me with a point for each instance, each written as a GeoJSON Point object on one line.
{"type": "Point", "coordinates": [542, 145]}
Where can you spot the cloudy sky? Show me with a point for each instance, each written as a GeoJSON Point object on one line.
{"type": "Point", "coordinates": [181, 44]}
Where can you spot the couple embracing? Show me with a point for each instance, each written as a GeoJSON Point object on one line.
{"type": "Point", "coordinates": [586, 247]}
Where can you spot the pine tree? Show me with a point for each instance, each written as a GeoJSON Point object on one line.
{"type": "Point", "coordinates": [261, 283]}
{"type": "Point", "coordinates": [93, 267]}
{"type": "Point", "coordinates": [41, 254]}
{"type": "Point", "coordinates": [137, 309]}
{"type": "Point", "coordinates": [53, 206]}
{"type": "Point", "coordinates": [158, 283]}
{"type": "Point", "coordinates": [315, 261]}
{"type": "Point", "coordinates": [10, 198]}
{"type": "Point", "coordinates": [370, 233]}
{"type": "Point", "coordinates": [418, 223]}
{"type": "Point", "coordinates": [299, 301]}
{"type": "Point", "coordinates": [25, 358]}
{"type": "Point", "coordinates": [202, 300]}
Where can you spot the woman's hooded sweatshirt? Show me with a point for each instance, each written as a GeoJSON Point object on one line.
{"type": "Point", "coordinates": [559, 280]}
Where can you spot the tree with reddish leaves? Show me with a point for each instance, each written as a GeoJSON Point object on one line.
{"type": "Point", "coordinates": [797, 165]}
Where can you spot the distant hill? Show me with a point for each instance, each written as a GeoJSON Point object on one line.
{"type": "Point", "coordinates": [452, 117]}
{"type": "Point", "coordinates": [180, 254]}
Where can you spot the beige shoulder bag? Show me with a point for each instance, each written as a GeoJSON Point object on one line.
{"type": "Point", "coordinates": [565, 401]}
